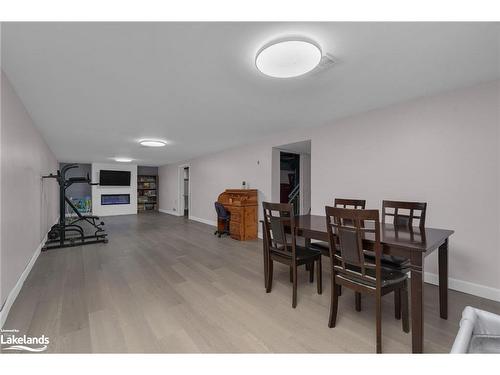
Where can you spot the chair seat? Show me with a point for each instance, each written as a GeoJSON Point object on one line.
{"type": "Point", "coordinates": [304, 253]}
{"type": "Point", "coordinates": [324, 247]}
{"type": "Point", "coordinates": [390, 276]}
{"type": "Point", "coordinates": [392, 261]}
{"type": "Point", "coordinates": [301, 253]}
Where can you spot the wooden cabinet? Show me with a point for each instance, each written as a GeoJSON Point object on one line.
{"type": "Point", "coordinates": [243, 206]}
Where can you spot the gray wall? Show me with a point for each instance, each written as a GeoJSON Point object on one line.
{"type": "Point", "coordinates": [29, 205]}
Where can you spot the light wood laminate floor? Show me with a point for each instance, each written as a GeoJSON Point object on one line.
{"type": "Point", "coordinates": [166, 284]}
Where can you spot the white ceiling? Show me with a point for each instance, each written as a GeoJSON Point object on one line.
{"type": "Point", "coordinates": [94, 89]}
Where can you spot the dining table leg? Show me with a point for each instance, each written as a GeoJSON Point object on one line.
{"type": "Point", "coordinates": [443, 279]}
{"type": "Point", "coordinates": [417, 299]}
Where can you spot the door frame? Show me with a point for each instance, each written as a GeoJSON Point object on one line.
{"type": "Point", "coordinates": [276, 178]}
{"type": "Point", "coordinates": [180, 187]}
{"type": "Point", "coordinates": [300, 182]}
{"type": "Point", "coordinates": [305, 159]}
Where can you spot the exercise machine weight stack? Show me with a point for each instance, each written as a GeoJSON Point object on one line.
{"type": "Point", "coordinates": [57, 236]}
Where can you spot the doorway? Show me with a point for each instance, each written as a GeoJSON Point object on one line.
{"type": "Point", "coordinates": [185, 191]}
{"type": "Point", "coordinates": [290, 179]}
{"type": "Point", "coordinates": [291, 175]}
{"type": "Point", "coordinates": [184, 198]}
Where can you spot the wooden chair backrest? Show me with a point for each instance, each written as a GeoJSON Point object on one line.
{"type": "Point", "coordinates": [278, 216]}
{"type": "Point", "coordinates": [350, 203]}
{"type": "Point", "coordinates": [346, 230]}
{"type": "Point", "coordinates": [405, 214]}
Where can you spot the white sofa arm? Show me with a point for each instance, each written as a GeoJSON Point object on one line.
{"type": "Point", "coordinates": [475, 322]}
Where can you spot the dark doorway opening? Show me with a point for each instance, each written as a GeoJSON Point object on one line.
{"type": "Point", "coordinates": [290, 179]}
{"type": "Point", "coordinates": [186, 191]}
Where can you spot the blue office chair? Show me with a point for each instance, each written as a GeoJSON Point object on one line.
{"type": "Point", "coordinates": [224, 216]}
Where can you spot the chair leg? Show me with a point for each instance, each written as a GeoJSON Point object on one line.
{"type": "Point", "coordinates": [269, 276]}
{"type": "Point", "coordinates": [404, 307]}
{"type": "Point", "coordinates": [319, 276]}
{"type": "Point", "coordinates": [266, 269]}
{"type": "Point", "coordinates": [340, 290]}
{"type": "Point", "coordinates": [291, 274]}
{"type": "Point", "coordinates": [357, 298]}
{"type": "Point", "coordinates": [334, 302]}
{"type": "Point", "coordinates": [294, 296]}
{"type": "Point", "coordinates": [311, 272]}
{"type": "Point", "coordinates": [397, 304]}
{"type": "Point", "coordinates": [378, 307]}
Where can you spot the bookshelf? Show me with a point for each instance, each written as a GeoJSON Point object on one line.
{"type": "Point", "coordinates": [147, 193]}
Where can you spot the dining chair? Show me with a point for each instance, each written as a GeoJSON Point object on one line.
{"type": "Point", "coordinates": [404, 216]}
{"type": "Point", "coordinates": [352, 269]}
{"type": "Point", "coordinates": [338, 202]}
{"type": "Point", "coordinates": [282, 247]}
{"type": "Point", "coordinates": [324, 246]}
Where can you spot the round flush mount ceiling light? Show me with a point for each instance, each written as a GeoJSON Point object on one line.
{"type": "Point", "coordinates": [123, 160]}
{"type": "Point", "coordinates": [152, 142]}
{"type": "Point", "coordinates": [288, 58]}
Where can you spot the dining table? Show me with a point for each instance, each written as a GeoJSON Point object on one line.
{"type": "Point", "coordinates": [414, 243]}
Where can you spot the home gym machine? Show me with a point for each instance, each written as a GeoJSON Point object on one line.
{"type": "Point", "coordinates": [70, 232]}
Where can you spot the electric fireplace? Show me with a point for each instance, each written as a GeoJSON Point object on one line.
{"type": "Point", "coordinates": [114, 199]}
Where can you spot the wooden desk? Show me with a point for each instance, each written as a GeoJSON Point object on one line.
{"type": "Point", "coordinates": [413, 244]}
{"type": "Point", "coordinates": [242, 205]}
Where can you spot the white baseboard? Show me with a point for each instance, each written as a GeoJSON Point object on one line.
{"type": "Point", "coordinates": [116, 214]}
{"type": "Point", "coordinates": [212, 223]}
{"type": "Point", "coordinates": [5, 309]}
{"type": "Point", "coordinates": [20, 282]}
{"type": "Point", "coordinates": [465, 287]}
{"type": "Point", "coordinates": [170, 212]}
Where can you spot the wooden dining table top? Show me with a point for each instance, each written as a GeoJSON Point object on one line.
{"type": "Point", "coordinates": [416, 238]}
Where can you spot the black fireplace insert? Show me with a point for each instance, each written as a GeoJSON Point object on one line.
{"type": "Point", "coordinates": [112, 199]}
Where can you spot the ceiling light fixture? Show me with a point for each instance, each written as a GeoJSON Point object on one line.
{"type": "Point", "coordinates": [123, 160]}
{"type": "Point", "coordinates": [152, 142]}
{"type": "Point", "coordinates": [288, 58]}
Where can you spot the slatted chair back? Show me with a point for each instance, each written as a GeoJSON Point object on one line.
{"type": "Point", "coordinates": [350, 203]}
{"type": "Point", "coordinates": [405, 214]}
{"type": "Point", "coordinates": [346, 230]}
{"type": "Point", "coordinates": [277, 217]}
